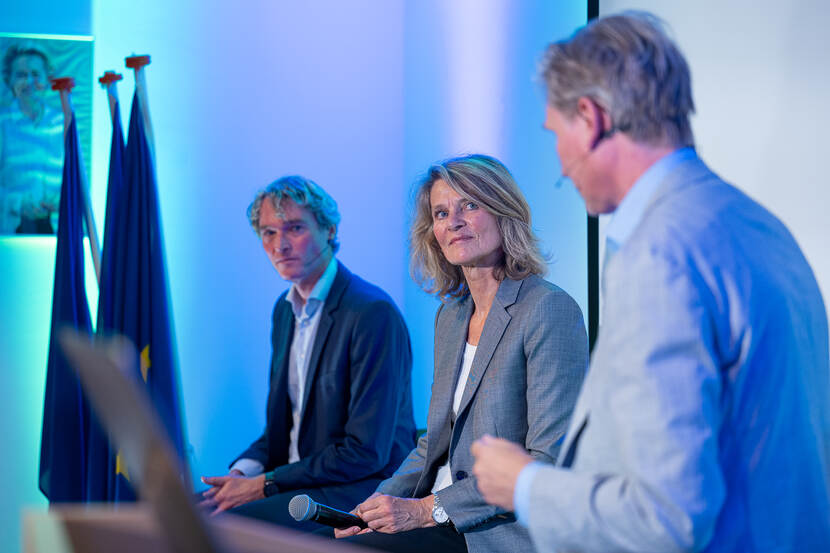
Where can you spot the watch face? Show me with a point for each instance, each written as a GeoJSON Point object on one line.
{"type": "Point", "coordinates": [270, 488]}
{"type": "Point", "coordinates": [439, 515]}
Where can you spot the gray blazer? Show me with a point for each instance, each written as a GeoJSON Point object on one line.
{"type": "Point", "coordinates": [705, 417]}
{"type": "Point", "coordinates": [523, 383]}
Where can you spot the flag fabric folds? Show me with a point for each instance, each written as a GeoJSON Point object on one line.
{"type": "Point", "coordinates": [103, 483]}
{"type": "Point", "coordinates": [114, 187]}
{"type": "Point", "coordinates": [136, 292]}
{"type": "Point", "coordinates": [66, 415]}
{"type": "Point", "coordinates": [77, 463]}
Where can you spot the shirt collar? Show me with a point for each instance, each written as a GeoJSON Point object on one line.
{"type": "Point", "coordinates": [632, 207]}
{"type": "Point", "coordinates": [318, 294]}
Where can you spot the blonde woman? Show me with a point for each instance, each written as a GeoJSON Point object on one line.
{"type": "Point", "coordinates": [510, 355]}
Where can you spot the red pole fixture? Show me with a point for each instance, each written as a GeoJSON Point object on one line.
{"type": "Point", "coordinates": [64, 85]}
{"type": "Point", "coordinates": [109, 77]}
{"type": "Point", "coordinates": [108, 80]}
{"type": "Point", "coordinates": [137, 62]}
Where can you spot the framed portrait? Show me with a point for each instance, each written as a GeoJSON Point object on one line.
{"type": "Point", "coordinates": [32, 122]}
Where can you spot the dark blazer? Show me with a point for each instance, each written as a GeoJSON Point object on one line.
{"type": "Point", "coordinates": [357, 420]}
{"type": "Point", "coordinates": [522, 386]}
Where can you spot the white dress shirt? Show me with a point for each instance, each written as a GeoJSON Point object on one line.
{"type": "Point", "coordinates": [443, 477]}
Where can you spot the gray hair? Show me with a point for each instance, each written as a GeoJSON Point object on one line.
{"type": "Point", "coordinates": [303, 192]}
{"type": "Point", "coordinates": [486, 181]}
{"type": "Point", "coordinates": [629, 66]}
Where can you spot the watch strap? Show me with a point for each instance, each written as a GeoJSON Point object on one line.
{"type": "Point", "coordinates": [270, 488]}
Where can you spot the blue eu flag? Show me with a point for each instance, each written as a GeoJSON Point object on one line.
{"type": "Point", "coordinates": [103, 482]}
{"type": "Point", "coordinates": [66, 416]}
{"type": "Point", "coordinates": [114, 187]}
{"type": "Point", "coordinates": [136, 294]}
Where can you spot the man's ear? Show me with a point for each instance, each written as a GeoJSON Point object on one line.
{"type": "Point", "coordinates": [596, 121]}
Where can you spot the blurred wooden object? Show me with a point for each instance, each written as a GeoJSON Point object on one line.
{"type": "Point", "coordinates": [134, 529]}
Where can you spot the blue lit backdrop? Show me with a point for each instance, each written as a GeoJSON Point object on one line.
{"type": "Point", "coordinates": [360, 96]}
{"type": "Point", "coordinates": [469, 76]}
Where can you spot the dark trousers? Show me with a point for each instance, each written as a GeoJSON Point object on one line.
{"type": "Point", "coordinates": [421, 540]}
{"type": "Point", "coordinates": [275, 508]}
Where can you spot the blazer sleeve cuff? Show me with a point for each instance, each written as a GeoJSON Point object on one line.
{"type": "Point", "coordinates": [248, 467]}
{"type": "Point", "coordinates": [521, 495]}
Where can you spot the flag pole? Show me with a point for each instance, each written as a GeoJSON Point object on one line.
{"type": "Point", "coordinates": [108, 82]}
{"type": "Point", "coordinates": [137, 63]}
{"type": "Point", "coordinates": [64, 85]}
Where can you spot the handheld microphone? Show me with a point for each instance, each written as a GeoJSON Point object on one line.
{"type": "Point", "coordinates": [302, 508]}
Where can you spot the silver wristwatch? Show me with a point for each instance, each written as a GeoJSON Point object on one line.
{"type": "Point", "coordinates": [439, 515]}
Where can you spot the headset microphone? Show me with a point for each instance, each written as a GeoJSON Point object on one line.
{"type": "Point", "coordinates": [602, 136]}
{"type": "Point", "coordinates": [319, 254]}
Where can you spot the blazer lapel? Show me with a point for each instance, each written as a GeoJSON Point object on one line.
{"type": "Point", "coordinates": [281, 342]}
{"type": "Point", "coordinates": [341, 281]}
{"type": "Point", "coordinates": [688, 172]}
{"type": "Point", "coordinates": [278, 410]}
{"type": "Point", "coordinates": [497, 320]}
{"type": "Point", "coordinates": [450, 337]}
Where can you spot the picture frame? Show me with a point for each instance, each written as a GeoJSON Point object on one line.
{"type": "Point", "coordinates": [32, 125]}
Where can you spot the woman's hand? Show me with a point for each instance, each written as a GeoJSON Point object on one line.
{"type": "Point", "coordinates": [389, 514]}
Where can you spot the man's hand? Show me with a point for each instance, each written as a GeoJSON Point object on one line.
{"type": "Point", "coordinates": [231, 491]}
{"type": "Point", "coordinates": [497, 467]}
{"type": "Point", "coordinates": [389, 514]}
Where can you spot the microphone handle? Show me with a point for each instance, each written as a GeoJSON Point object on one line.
{"type": "Point", "coordinates": [337, 518]}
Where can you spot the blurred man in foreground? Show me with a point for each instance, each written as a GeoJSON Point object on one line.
{"type": "Point", "coordinates": [703, 424]}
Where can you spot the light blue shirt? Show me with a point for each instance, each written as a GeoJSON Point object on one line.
{"type": "Point", "coordinates": [31, 165]}
{"type": "Point", "coordinates": [630, 211]}
{"type": "Point", "coordinates": [306, 320]}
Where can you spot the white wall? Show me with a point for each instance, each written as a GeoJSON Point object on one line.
{"type": "Point", "coordinates": [761, 82]}
{"type": "Point", "coordinates": [240, 96]}
{"type": "Point", "coordinates": [362, 97]}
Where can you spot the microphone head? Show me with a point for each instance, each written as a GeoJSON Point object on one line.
{"type": "Point", "coordinates": [301, 507]}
